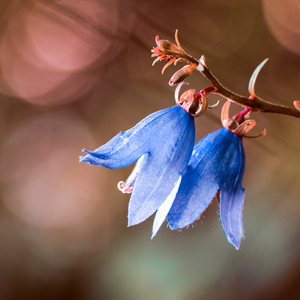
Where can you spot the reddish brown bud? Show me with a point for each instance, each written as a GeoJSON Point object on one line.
{"type": "Point", "coordinates": [165, 45]}
{"type": "Point", "coordinates": [182, 74]}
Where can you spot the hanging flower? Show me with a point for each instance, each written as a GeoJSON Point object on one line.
{"type": "Point", "coordinates": [161, 144]}
{"type": "Point", "coordinates": [216, 165]}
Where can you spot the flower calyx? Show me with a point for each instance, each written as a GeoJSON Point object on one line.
{"type": "Point", "coordinates": [237, 124]}
{"type": "Point", "coordinates": [194, 104]}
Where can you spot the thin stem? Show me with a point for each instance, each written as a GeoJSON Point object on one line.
{"type": "Point", "coordinates": [240, 117]}
{"type": "Point", "coordinates": [252, 102]}
{"type": "Point", "coordinates": [208, 90]}
{"type": "Point", "coordinates": [255, 103]}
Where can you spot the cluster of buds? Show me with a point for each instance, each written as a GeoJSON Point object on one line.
{"type": "Point", "coordinates": [194, 104]}
{"type": "Point", "coordinates": [174, 53]}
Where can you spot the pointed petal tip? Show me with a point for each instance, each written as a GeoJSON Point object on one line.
{"type": "Point", "coordinates": [252, 81]}
{"type": "Point", "coordinates": [236, 244]}
{"type": "Point", "coordinates": [164, 209]}
{"type": "Point", "coordinates": [84, 159]}
{"type": "Point", "coordinates": [133, 221]}
{"type": "Point", "coordinates": [129, 223]}
{"type": "Point", "coordinates": [87, 151]}
{"type": "Point", "coordinates": [87, 158]}
{"type": "Point", "coordinates": [177, 224]}
{"type": "Point", "coordinates": [174, 226]}
{"type": "Point", "coordinates": [233, 241]}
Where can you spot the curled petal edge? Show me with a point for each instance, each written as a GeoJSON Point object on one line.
{"type": "Point", "coordinates": [123, 188]}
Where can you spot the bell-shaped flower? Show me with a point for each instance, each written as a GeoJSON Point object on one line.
{"type": "Point", "coordinates": [162, 143]}
{"type": "Point", "coordinates": [216, 165]}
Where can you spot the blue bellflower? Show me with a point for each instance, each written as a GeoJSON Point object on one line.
{"type": "Point", "coordinates": [161, 144]}
{"type": "Point", "coordinates": [216, 166]}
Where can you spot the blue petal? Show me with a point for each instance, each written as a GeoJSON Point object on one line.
{"type": "Point", "coordinates": [232, 197]}
{"type": "Point", "coordinates": [214, 164]}
{"type": "Point", "coordinates": [136, 171]}
{"type": "Point", "coordinates": [126, 147]}
{"type": "Point", "coordinates": [165, 164]}
{"type": "Point", "coordinates": [163, 210]}
{"type": "Point", "coordinates": [192, 199]}
{"type": "Point", "coordinates": [199, 184]}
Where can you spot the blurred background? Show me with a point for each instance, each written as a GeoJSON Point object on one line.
{"type": "Point", "coordinates": [72, 75]}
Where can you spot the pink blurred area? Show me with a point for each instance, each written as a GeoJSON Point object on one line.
{"type": "Point", "coordinates": [283, 20]}
{"type": "Point", "coordinates": [49, 50]}
{"type": "Point", "coordinates": [75, 73]}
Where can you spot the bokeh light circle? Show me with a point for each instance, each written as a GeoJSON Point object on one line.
{"type": "Point", "coordinates": [282, 17]}
{"type": "Point", "coordinates": [42, 181]}
{"type": "Point", "coordinates": [48, 52]}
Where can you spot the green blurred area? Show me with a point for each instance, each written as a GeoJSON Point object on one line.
{"type": "Point", "coordinates": [63, 225]}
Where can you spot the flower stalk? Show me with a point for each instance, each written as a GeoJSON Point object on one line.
{"type": "Point", "coordinates": [172, 53]}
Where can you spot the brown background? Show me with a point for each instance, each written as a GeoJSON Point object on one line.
{"type": "Point", "coordinates": [74, 74]}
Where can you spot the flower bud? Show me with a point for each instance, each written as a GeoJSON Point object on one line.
{"type": "Point", "coordinates": [164, 44]}
{"type": "Point", "coordinates": [182, 74]}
